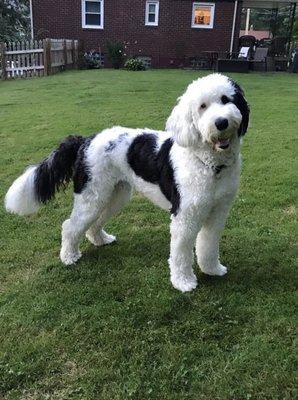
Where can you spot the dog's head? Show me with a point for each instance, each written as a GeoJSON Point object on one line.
{"type": "Point", "coordinates": [213, 110]}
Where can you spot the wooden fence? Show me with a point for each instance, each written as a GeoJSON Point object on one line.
{"type": "Point", "coordinates": [37, 58]}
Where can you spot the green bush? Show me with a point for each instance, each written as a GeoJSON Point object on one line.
{"type": "Point", "coordinates": [92, 60]}
{"type": "Point", "coordinates": [133, 64]}
{"type": "Point", "coordinates": [116, 54]}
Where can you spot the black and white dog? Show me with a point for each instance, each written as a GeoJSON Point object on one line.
{"type": "Point", "coordinates": [191, 169]}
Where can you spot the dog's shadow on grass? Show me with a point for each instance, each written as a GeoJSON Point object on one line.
{"type": "Point", "coordinates": [152, 249]}
{"type": "Point", "coordinates": [133, 268]}
{"type": "Point", "coordinates": [266, 272]}
{"type": "Point", "coordinates": [250, 264]}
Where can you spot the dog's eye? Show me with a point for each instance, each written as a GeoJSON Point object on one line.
{"type": "Point", "coordinates": [203, 106]}
{"type": "Point", "coordinates": [225, 99]}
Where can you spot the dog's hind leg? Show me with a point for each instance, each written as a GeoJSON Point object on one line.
{"type": "Point", "coordinates": [119, 198]}
{"type": "Point", "coordinates": [87, 207]}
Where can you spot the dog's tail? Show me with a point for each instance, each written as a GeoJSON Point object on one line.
{"type": "Point", "coordinates": [39, 183]}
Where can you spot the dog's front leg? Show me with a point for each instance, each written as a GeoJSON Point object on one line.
{"type": "Point", "coordinates": [184, 229]}
{"type": "Point", "coordinates": [207, 243]}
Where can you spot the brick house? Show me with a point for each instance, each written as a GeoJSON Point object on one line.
{"type": "Point", "coordinates": [168, 31]}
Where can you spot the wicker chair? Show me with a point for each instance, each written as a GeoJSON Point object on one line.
{"type": "Point", "coordinates": [260, 57]}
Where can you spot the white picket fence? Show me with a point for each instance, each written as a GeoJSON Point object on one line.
{"type": "Point", "coordinates": [37, 58]}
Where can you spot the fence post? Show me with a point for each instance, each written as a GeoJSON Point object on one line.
{"type": "Point", "coordinates": [76, 53]}
{"type": "Point", "coordinates": [47, 57]}
{"type": "Point", "coordinates": [3, 60]}
{"type": "Point", "coordinates": [73, 55]}
{"type": "Point", "coordinates": [65, 53]}
{"type": "Point", "coordinates": [80, 53]}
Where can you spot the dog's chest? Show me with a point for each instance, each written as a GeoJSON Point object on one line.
{"type": "Point", "coordinates": [202, 184]}
{"type": "Point", "coordinates": [205, 188]}
{"type": "Point", "coordinates": [225, 184]}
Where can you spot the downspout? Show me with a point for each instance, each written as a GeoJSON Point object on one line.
{"type": "Point", "coordinates": [247, 21]}
{"type": "Point", "coordinates": [31, 20]}
{"type": "Point", "coordinates": [233, 27]}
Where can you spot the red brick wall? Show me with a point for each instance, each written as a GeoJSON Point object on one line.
{"type": "Point", "coordinates": [170, 43]}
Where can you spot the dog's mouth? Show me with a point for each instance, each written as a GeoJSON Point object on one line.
{"type": "Point", "coordinates": [222, 144]}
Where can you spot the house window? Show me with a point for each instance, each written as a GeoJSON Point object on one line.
{"type": "Point", "coordinates": [92, 14]}
{"type": "Point", "coordinates": [203, 15]}
{"type": "Point", "coordinates": [152, 12]}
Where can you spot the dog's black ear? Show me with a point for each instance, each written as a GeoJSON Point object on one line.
{"type": "Point", "coordinates": [243, 107]}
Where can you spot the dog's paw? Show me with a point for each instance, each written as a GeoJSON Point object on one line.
{"type": "Point", "coordinates": [101, 239]}
{"type": "Point", "coordinates": [220, 270]}
{"type": "Point", "coordinates": [184, 283]}
{"type": "Point", "coordinates": [69, 257]}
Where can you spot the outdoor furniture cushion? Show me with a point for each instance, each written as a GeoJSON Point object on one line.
{"type": "Point", "coordinates": [260, 57]}
{"type": "Point", "coordinates": [243, 53]}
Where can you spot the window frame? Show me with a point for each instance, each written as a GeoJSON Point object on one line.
{"type": "Point", "coordinates": [86, 26]}
{"type": "Point", "coordinates": [199, 3]}
{"type": "Point", "coordinates": [148, 3]}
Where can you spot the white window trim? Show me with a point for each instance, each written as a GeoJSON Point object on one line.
{"type": "Point", "coordinates": [155, 23]}
{"type": "Point", "coordinates": [193, 25]}
{"type": "Point", "coordinates": [84, 25]}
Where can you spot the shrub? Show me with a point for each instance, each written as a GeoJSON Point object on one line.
{"type": "Point", "coordinates": [133, 64]}
{"type": "Point", "coordinates": [92, 59]}
{"type": "Point", "coordinates": [116, 54]}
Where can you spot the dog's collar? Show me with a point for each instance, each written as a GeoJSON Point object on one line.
{"type": "Point", "coordinates": [215, 168]}
{"type": "Point", "coordinates": [218, 168]}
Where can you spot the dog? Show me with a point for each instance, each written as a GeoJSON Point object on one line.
{"type": "Point", "coordinates": [191, 169]}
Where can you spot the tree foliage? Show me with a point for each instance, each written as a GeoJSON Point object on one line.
{"type": "Point", "coordinates": [14, 20]}
{"type": "Point", "coordinates": [277, 21]}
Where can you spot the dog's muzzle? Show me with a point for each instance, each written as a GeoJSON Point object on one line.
{"type": "Point", "coordinates": [223, 144]}
{"type": "Point", "coordinates": [222, 140]}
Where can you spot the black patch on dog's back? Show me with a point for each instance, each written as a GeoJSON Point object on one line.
{"type": "Point", "coordinates": [243, 107]}
{"type": "Point", "coordinates": [81, 171]}
{"type": "Point", "coordinates": [154, 165]}
{"type": "Point", "coordinates": [112, 144]}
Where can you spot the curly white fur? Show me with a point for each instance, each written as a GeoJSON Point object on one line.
{"type": "Point", "coordinates": [20, 198]}
{"type": "Point", "coordinates": [206, 194]}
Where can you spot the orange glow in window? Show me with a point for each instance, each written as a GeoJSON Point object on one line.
{"type": "Point", "coordinates": [202, 15]}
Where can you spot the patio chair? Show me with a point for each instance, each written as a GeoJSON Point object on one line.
{"type": "Point", "coordinates": [235, 62]}
{"type": "Point", "coordinates": [232, 62]}
{"type": "Point", "coordinates": [260, 57]}
{"type": "Point", "coordinates": [247, 41]}
{"type": "Point", "coordinates": [200, 62]}
{"type": "Point", "coordinates": [279, 44]}
{"type": "Point", "coordinates": [281, 56]}
{"type": "Point", "coordinates": [212, 57]}
{"type": "Point", "coordinates": [267, 42]}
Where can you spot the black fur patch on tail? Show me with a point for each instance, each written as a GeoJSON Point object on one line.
{"type": "Point", "coordinates": [81, 171]}
{"type": "Point", "coordinates": [57, 170]}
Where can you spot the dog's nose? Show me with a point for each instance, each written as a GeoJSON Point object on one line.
{"type": "Point", "coordinates": [221, 124]}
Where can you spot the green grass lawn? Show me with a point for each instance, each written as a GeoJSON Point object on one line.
{"type": "Point", "coordinates": [113, 327]}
